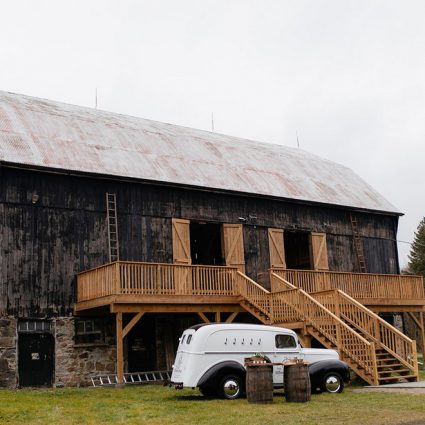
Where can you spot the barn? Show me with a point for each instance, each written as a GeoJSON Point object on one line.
{"type": "Point", "coordinates": [117, 233]}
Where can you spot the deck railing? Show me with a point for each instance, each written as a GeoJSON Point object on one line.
{"type": "Point", "coordinates": [137, 278]}
{"type": "Point", "coordinates": [357, 285]}
{"type": "Point", "coordinates": [255, 293]}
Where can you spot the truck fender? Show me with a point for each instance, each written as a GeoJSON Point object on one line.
{"type": "Point", "coordinates": [318, 370]}
{"type": "Point", "coordinates": [213, 375]}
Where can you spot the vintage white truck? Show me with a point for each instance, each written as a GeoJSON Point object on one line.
{"type": "Point", "coordinates": [211, 357]}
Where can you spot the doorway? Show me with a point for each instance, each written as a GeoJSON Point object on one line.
{"type": "Point", "coordinates": [36, 359]}
{"type": "Point", "coordinates": [205, 243]}
{"type": "Point", "coordinates": [142, 346]}
{"type": "Point", "coordinates": [297, 250]}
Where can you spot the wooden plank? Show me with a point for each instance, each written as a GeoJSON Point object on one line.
{"type": "Point", "coordinates": [415, 319]}
{"type": "Point", "coordinates": [181, 241]}
{"type": "Point", "coordinates": [276, 248]}
{"type": "Point", "coordinates": [120, 348]}
{"type": "Point", "coordinates": [232, 317]}
{"type": "Point", "coordinates": [174, 308]}
{"type": "Point", "coordinates": [95, 303]}
{"type": "Point", "coordinates": [233, 246]}
{"type": "Point", "coordinates": [203, 317]}
{"type": "Point", "coordinates": [176, 299]}
{"type": "Point", "coordinates": [319, 251]}
{"type": "Point", "coordinates": [132, 323]}
{"type": "Point", "coordinates": [217, 317]}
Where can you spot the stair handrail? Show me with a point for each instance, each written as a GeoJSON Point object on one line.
{"type": "Point", "coordinates": [322, 307]}
{"type": "Point", "coordinates": [339, 325]}
{"type": "Point", "coordinates": [398, 337]}
{"type": "Point", "coordinates": [244, 291]}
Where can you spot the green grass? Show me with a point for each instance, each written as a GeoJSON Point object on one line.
{"type": "Point", "coordinates": [162, 405]}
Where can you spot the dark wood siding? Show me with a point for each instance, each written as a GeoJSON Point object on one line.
{"type": "Point", "coordinates": [44, 245]}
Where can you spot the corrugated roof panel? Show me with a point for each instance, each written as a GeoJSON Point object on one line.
{"type": "Point", "coordinates": [44, 133]}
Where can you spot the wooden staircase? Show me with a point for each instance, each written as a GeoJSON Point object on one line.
{"type": "Point", "coordinates": [395, 352]}
{"type": "Point", "coordinates": [373, 349]}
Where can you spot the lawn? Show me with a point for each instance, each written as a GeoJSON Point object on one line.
{"type": "Point", "coordinates": [163, 405]}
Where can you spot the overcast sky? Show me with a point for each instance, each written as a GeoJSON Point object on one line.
{"type": "Point", "coordinates": [348, 76]}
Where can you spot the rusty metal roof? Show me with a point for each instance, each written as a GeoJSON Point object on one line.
{"type": "Point", "coordinates": [44, 133]}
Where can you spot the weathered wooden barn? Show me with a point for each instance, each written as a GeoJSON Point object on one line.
{"type": "Point", "coordinates": [117, 232]}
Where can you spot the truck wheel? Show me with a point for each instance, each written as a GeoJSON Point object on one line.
{"type": "Point", "coordinates": [230, 387]}
{"type": "Point", "coordinates": [332, 383]}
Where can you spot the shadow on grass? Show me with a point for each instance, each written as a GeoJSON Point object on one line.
{"type": "Point", "coordinates": [200, 397]}
{"type": "Point", "coordinates": [191, 397]}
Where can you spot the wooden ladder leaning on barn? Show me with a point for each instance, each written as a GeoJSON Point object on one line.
{"type": "Point", "coordinates": [358, 244]}
{"type": "Point", "coordinates": [375, 350]}
{"type": "Point", "coordinates": [112, 222]}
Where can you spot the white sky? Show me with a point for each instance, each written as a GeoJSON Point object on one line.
{"type": "Point", "coordinates": [349, 76]}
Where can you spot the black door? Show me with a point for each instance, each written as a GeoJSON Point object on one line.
{"type": "Point", "coordinates": [36, 359]}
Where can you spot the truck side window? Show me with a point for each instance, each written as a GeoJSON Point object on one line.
{"type": "Point", "coordinates": [285, 341]}
{"type": "Point", "coordinates": [182, 341]}
{"type": "Point", "coordinates": [189, 338]}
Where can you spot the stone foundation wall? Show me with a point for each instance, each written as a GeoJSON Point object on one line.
{"type": "Point", "coordinates": [8, 352]}
{"type": "Point", "coordinates": [76, 364]}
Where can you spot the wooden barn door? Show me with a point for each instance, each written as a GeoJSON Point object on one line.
{"type": "Point", "coordinates": [233, 246]}
{"type": "Point", "coordinates": [276, 249]}
{"type": "Point", "coordinates": [319, 251]}
{"type": "Point", "coordinates": [181, 255]}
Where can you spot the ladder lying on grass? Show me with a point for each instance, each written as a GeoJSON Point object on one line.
{"type": "Point", "coordinates": [133, 378]}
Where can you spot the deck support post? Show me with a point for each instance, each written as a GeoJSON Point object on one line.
{"type": "Point", "coordinates": [122, 332]}
{"type": "Point", "coordinates": [217, 317]}
{"type": "Point", "coordinates": [420, 324]}
{"type": "Point", "coordinates": [120, 349]}
{"type": "Point", "coordinates": [422, 330]}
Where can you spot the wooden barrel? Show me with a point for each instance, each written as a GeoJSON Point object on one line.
{"type": "Point", "coordinates": [297, 383]}
{"type": "Point", "coordinates": [259, 383]}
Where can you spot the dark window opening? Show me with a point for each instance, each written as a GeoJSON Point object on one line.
{"type": "Point", "coordinates": [34, 326]}
{"type": "Point", "coordinates": [89, 331]}
{"type": "Point", "coordinates": [297, 250]}
{"type": "Point", "coordinates": [285, 341]}
{"type": "Point", "coordinates": [205, 243]}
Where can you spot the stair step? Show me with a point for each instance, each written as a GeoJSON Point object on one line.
{"type": "Point", "coordinates": [380, 366]}
{"type": "Point", "coordinates": [383, 359]}
{"type": "Point", "coordinates": [392, 378]}
{"type": "Point", "coordinates": [394, 371]}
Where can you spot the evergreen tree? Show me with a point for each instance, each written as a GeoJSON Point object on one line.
{"type": "Point", "coordinates": [417, 251]}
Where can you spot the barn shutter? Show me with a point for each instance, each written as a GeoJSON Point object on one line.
{"type": "Point", "coordinates": [319, 251]}
{"type": "Point", "coordinates": [277, 249]}
{"type": "Point", "coordinates": [181, 241]}
{"type": "Point", "coordinates": [233, 246]}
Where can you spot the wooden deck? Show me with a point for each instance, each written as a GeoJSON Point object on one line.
{"type": "Point", "coordinates": [130, 286]}
{"type": "Point", "coordinates": [320, 303]}
{"type": "Point", "coordinates": [155, 283]}
{"type": "Point", "coordinates": [379, 292]}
